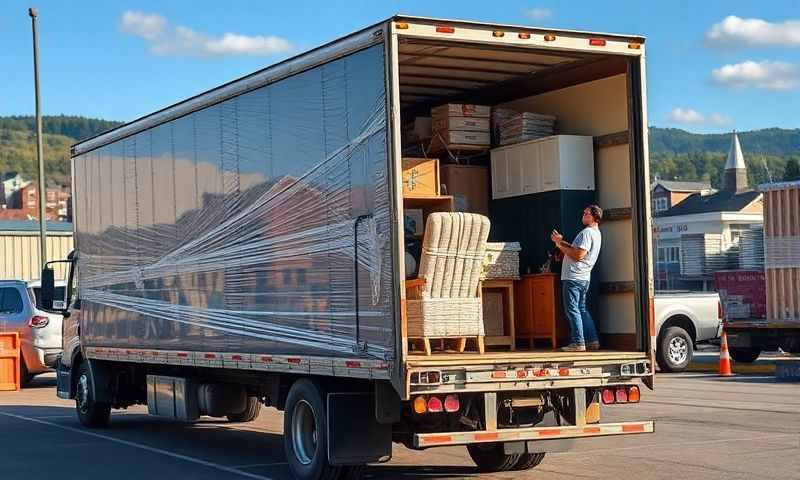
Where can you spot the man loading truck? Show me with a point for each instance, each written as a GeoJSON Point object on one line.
{"type": "Point", "coordinates": [579, 259]}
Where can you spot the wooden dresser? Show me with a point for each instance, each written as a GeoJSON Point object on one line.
{"type": "Point", "coordinates": [538, 308]}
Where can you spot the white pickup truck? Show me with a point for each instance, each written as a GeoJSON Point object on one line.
{"type": "Point", "coordinates": [684, 319]}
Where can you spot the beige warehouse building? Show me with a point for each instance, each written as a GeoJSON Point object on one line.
{"type": "Point", "coordinates": [19, 248]}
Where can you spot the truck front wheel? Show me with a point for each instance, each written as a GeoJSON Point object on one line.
{"type": "Point", "coordinates": [491, 457]}
{"type": "Point", "coordinates": [91, 414]}
{"type": "Point", "coordinates": [744, 355]}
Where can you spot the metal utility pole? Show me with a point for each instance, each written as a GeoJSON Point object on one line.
{"type": "Point", "coordinates": [39, 154]}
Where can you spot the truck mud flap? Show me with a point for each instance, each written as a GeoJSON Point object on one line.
{"type": "Point", "coordinates": [354, 435]}
{"type": "Point", "coordinates": [64, 386]}
{"type": "Point", "coordinates": [425, 440]}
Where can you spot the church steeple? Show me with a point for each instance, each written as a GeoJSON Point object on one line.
{"type": "Point", "coordinates": [735, 179]}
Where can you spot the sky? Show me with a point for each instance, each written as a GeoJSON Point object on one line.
{"type": "Point", "coordinates": [712, 66]}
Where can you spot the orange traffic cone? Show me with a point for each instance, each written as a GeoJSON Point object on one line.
{"type": "Point", "coordinates": [724, 357]}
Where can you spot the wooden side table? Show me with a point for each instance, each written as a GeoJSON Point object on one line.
{"type": "Point", "coordinates": [491, 310]}
{"type": "Point", "coordinates": [539, 308]}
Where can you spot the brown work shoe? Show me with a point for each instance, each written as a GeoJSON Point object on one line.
{"type": "Point", "coordinates": [593, 346]}
{"type": "Point", "coordinates": [574, 347]}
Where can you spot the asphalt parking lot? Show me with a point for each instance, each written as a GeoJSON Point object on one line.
{"type": "Point", "coordinates": [707, 427]}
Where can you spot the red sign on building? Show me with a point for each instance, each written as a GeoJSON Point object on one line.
{"type": "Point", "coordinates": [743, 293]}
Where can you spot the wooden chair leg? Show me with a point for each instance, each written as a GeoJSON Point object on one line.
{"type": "Point", "coordinates": [426, 344]}
{"type": "Point", "coordinates": [462, 344]}
{"type": "Point", "coordinates": [481, 346]}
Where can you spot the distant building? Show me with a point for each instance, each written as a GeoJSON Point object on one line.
{"type": "Point", "coordinates": [665, 194]}
{"type": "Point", "coordinates": [19, 248]}
{"type": "Point", "coordinates": [26, 199]}
{"type": "Point", "coordinates": [703, 233]}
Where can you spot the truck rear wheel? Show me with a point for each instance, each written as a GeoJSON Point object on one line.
{"type": "Point", "coordinates": [744, 355]}
{"type": "Point", "coordinates": [249, 414]}
{"type": "Point", "coordinates": [91, 414]}
{"type": "Point", "coordinates": [305, 438]}
{"type": "Point", "coordinates": [491, 457]}
{"type": "Point", "coordinates": [528, 461]}
{"type": "Point", "coordinates": [675, 350]}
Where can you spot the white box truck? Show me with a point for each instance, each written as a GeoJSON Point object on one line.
{"type": "Point", "coordinates": [245, 247]}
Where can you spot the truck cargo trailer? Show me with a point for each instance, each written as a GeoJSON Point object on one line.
{"type": "Point", "coordinates": [246, 246]}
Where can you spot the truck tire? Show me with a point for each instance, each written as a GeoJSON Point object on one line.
{"type": "Point", "coordinates": [305, 433]}
{"type": "Point", "coordinates": [528, 461]}
{"type": "Point", "coordinates": [675, 350]}
{"type": "Point", "coordinates": [249, 414]}
{"type": "Point", "coordinates": [744, 354]}
{"type": "Point", "coordinates": [490, 457]}
{"type": "Point", "coordinates": [90, 413]}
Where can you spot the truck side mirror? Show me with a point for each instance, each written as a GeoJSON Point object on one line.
{"type": "Point", "coordinates": [48, 287]}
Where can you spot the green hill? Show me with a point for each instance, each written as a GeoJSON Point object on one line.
{"type": "Point", "coordinates": [674, 154]}
{"type": "Point", "coordinates": [680, 155]}
{"type": "Point", "coordinates": [18, 144]}
{"type": "Point", "coordinates": [78, 128]}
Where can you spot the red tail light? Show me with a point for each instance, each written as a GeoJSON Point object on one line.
{"type": "Point", "coordinates": [608, 396]}
{"type": "Point", "coordinates": [445, 29]}
{"type": "Point", "coordinates": [451, 403]}
{"type": "Point", "coordinates": [622, 395]}
{"type": "Point", "coordinates": [434, 405]}
{"type": "Point", "coordinates": [597, 42]}
{"type": "Point", "coordinates": [38, 321]}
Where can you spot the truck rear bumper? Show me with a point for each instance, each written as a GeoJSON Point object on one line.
{"type": "Point", "coordinates": [425, 440]}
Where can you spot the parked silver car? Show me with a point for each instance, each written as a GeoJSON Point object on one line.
{"type": "Point", "coordinates": [39, 331]}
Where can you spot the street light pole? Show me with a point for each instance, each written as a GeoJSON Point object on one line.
{"type": "Point", "coordinates": [39, 154]}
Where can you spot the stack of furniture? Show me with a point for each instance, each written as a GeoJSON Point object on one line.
{"type": "Point", "coordinates": [460, 127]}
{"type": "Point", "coordinates": [537, 186]}
{"type": "Point", "coordinates": [511, 127]}
{"type": "Point", "coordinates": [445, 300]}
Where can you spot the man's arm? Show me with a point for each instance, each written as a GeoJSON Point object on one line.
{"type": "Point", "coordinates": [571, 251]}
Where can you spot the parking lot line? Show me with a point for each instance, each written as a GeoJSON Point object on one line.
{"type": "Point", "coordinates": [140, 446]}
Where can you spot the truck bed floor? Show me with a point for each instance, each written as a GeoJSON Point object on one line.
{"type": "Point", "coordinates": [443, 359]}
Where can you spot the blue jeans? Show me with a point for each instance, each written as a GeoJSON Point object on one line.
{"type": "Point", "coordinates": [581, 324]}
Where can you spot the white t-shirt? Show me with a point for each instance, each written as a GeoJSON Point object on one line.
{"type": "Point", "coordinates": [588, 239]}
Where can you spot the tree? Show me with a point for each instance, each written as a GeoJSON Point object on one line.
{"type": "Point", "coordinates": [792, 171]}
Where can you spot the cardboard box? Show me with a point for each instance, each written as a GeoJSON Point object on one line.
{"type": "Point", "coordinates": [463, 124]}
{"type": "Point", "coordinates": [461, 110]}
{"type": "Point", "coordinates": [454, 139]}
{"type": "Point", "coordinates": [420, 177]}
{"type": "Point", "coordinates": [469, 185]}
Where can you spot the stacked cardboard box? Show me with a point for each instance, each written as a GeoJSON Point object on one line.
{"type": "Point", "coordinates": [458, 126]}
{"type": "Point", "coordinates": [509, 126]}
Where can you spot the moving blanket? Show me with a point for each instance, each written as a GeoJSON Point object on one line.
{"type": "Point", "coordinates": [233, 229]}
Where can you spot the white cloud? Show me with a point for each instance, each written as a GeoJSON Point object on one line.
{"type": "Point", "coordinates": [766, 74]}
{"type": "Point", "coordinates": [148, 26]}
{"type": "Point", "coordinates": [739, 32]}
{"type": "Point", "coordinates": [165, 39]}
{"type": "Point", "coordinates": [538, 13]}
{"type": "Point", "coordinates": [690, 116]}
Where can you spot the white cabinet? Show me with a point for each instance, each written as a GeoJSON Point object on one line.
{"type": "Point", "coordinates": [560, 162]}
